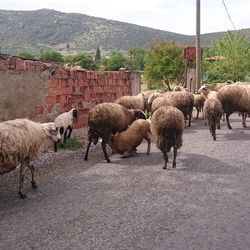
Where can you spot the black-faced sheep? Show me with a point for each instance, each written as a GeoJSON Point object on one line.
{"type": "Point", "coordinates": [105, 119]}
{"type": "Point", "coordinates": [20, 141]}
{"type": "Point", "coordinates": [64, 123]}
{"type": "Point", "coordinates": [125, 143]}
{"type": "Point", "coordinates": [234, 98]}
{"type": "Point", "coordinates": [167, 125]}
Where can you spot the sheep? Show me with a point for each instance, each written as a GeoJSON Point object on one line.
{"type": "Point", "coordinates": [132, 102]}
{"type": "Point", "coordinates": [199, 101]}
{"type": "Point", "coordinates": [217, 86]}
{"type": "Point", "coordinates": [206, 91]}
{"type": "Point", "coordinates": [20, 141]}
{"type": "Point", "coordinates": [105, 119]}
{"type": "Point", "coordinates": [181, 99]}
{"type": "Point", "coordinates": [167, 125]}
{"type": "Point", "coordinates": [126, 142]}
{"type": "Point", "coordinates": [213, 112]}
{"type": "Point", "coordinates": [234, 98]}
{"type": "Point", "coordinates": [64, 124]}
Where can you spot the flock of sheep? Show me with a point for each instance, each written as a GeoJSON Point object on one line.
{"type": "Point", "coordinates": [124, 124]}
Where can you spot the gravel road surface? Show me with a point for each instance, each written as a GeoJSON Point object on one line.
{"type": "Point", "coordinates": [133, 203]}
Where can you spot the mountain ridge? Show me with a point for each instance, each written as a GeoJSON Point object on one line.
{"type": "Point", "coordinates": [34, 30]}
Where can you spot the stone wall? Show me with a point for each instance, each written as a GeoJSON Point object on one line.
{"type": "Point", "coordinates": [40, 91]}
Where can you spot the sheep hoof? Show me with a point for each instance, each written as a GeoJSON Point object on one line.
{"type": "Point", "coordinates": [108, 161]}
{"type": "Point", "coordinates": [22, 195]}
{"type": "Point", "coordinates": [85, 158]}
{"type": "Point", "coordinates": [34, 185]}
{"type": "Point", "coordinates": [174, 165]}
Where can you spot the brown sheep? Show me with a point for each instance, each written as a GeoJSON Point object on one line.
{"type": "Point", "coordinates": [167, 125]}
{"type": "Point", "coordinates": [199, 101]}
{"type": "Point", "coordinates": [105, 119]}
{"type": "Point", "coordinates": [213, 112]}
{"type": "Point", "coordinates": [132, 102]}
{"type": "Point", "coordinates": [125, 143]}
{"type": "Point", "coordinates": [234, 98]}
{"type": "Point", "coordinates": [182, 100]}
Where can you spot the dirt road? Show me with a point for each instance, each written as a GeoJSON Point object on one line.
{"type": "Point", "coordinates": [132, 203]}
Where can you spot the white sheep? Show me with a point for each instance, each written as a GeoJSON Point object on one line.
{"type": "Point", "coordinates": [125, 143]}
{"type": "Point", "coordinates": [167, 125]}
{"type": "Point", "coordinates": [64, 123]}
{"type": "Point", "coordinates": [20, 141]}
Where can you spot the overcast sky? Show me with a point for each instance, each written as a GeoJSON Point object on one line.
{"type": "Point", "coordinates": [169, 15]}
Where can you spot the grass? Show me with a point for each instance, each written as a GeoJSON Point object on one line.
{"type": "Point", "coordinates": [73, 143]}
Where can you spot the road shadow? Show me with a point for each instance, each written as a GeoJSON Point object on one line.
{"type": "Point", "coordinates": [204, 164]}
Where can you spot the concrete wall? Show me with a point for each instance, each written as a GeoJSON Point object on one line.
{"type": "Point", "coordinates": [40, 91]}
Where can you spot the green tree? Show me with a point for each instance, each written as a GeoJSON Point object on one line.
{"type": "Point", "coordinates": [114, 61]}
{"type": "Point", "coordinates": [25, 54]}
{"type": "Point", "coordinates": [83, 60]}
{"type": "Point", "coordinates": [51, 56]}
{"type": "Point", "coordinates": [233, 48]}
{"type": "Point", "coordinates": [97, 54]}
{"type": "Point", "coordinates": [136, 59]}
{"type": "Point", "coordinates": [164, 64]}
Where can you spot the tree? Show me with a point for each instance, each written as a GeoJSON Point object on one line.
{"type": "Point", "coordinates": [136, 59]}
{"type": "Point", "coordinates": [164, 64]}
{"type": "Point", "coordinates": [115, 61]}
{"type": "Point", "coordinates": [51, 56]}
{"type": "Point", "coordinates": [83, 60]}
{"type": "Point", "coordinates": [97, 54]}
{"type": "Point", "coordinates": [234, 63]}
{"type": "Point", "coordinates": [25, 54]}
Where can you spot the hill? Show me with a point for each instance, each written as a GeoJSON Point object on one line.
{"type": "Point", "coordinates": [74, 33]}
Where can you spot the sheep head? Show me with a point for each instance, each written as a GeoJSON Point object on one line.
{"type": "Point", "coordinates": [51, 131]}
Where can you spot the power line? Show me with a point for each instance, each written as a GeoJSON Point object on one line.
{"type": "Point", "coordinates": [228, 14]}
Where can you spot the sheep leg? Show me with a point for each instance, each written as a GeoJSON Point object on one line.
{"type": "Point", "coordinates": [198, 111]}
{"type": "Point", "coordinates": [189, 119]}
{"type": "Point", "coordinates": [55, 146]}
{"type": "Point", "coordinates": [147, 138]}
{"type": "Point", "coordinates": [228, 124]}
{"type": "Point", "coordinates": [33, 182]}
{"type": "Point", "coordinates": [104, 150]}
{"type": "Point", "coordinates": [87, 151]}
{"type": "Point", "coordinates": [175, 155]}
{"type": "Point", "coordinates": [70, 131]}
{"type": "Point", "coordinates": [218, 125]}
{"type": "Point", "coordinates": [213, 127]}
{"type": "Point", "coordinates": [244, 116]}
{"type": "Point", "coordinates": [165, 154]}
{"type": "Point", "coordinates": [21, 182]}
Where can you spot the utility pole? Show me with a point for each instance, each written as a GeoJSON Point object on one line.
{"type": "Point", "coordinates": [198, 46]}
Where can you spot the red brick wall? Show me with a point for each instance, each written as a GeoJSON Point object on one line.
{"type": "Point", "coordinates": [64, 88]}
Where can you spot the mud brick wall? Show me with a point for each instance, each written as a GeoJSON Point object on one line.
{"type": "Point", "coordinates": [40, 91]}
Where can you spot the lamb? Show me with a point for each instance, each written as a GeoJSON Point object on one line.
{"type": "Point", "coordinates": [105, 119]}
{"type": "Point", "coordinates": [126, 142]}
{"type": "Point", "coordinates": [64, 123]}
{"type": "Point", "coordinates": [167, 125]}
{"type": "Point", "coordinates": [234, 98]}
{"type": "Point", "coordinates": [20, 141]}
